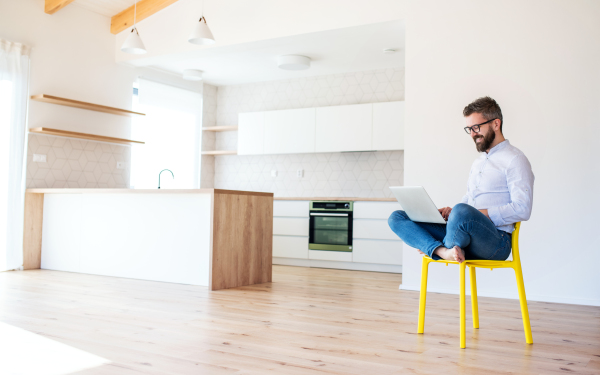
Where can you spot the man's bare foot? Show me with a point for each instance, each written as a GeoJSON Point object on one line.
{"type": "Point", "coordinates": [456, 253]}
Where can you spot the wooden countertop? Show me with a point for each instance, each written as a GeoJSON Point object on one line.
{"type": "Point", "coordinates": [146, 191]}
{"type": "Point", "coordinates": [202, 191]}
{"type": "Point", "coordinates": [353, 199]}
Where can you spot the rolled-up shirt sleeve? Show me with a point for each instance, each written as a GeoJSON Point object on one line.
{"type": "Point", "coordinates": [519, 179]}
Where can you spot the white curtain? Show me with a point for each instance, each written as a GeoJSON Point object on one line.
{"type": "Point", "coordinates": [14, 90]}
{"type": "Point", "coordinates": [172, 132]}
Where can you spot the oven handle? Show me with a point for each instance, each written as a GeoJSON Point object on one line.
{"type": "Point", "coordinates": [318, 214]}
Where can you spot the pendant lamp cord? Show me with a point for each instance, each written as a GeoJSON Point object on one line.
{"type": "Point", "coordinates": [134, 14]}
{"type": "Point", "coordinates": [202, 16]}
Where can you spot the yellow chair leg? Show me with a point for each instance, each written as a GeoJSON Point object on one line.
{"type": "Point", "coordinates": [523, 301]}
{"type": "Point", "coordinates": [463, 344]}
{"type": "Point", "coordinates": [474, 305]}
{"type": "Point", "coordinates": [423, 296]}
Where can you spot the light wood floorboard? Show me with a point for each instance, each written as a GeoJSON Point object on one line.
{"type": "Point", "coordinates": [307, 321]}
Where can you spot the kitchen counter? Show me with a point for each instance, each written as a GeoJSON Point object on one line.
{"type": "Point", "coordinates": [352, 199]}
{"type": "Point", "coordinates": [210, 237]}
{"type": "Point", "coordinates": [146, 191]}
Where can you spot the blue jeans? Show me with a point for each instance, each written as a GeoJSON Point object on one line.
{"type": "Point", "coordinates": [467, 228]}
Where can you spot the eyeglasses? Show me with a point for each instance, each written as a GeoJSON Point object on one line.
{"type": "Point", "coordinates": [476, 128]}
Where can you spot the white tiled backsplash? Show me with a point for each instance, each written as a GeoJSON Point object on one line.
{"type": "Point", "coordinates": [358, 174]}
{"type": "Point", "coordinates": [74, 163]}
{"type": "Point", "coordinates": [348, 174]}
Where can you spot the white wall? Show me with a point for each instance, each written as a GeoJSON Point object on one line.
{"type": "Point", "coordinates": [72, 57]}
{"type": "Point", "coordinates": [540, 60]}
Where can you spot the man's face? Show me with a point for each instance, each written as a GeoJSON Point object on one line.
{"type": "Point", "coordinates": [484, 139]}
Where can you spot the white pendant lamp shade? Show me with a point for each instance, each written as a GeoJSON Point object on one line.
{"type": "Point", "coordinates": [133, 44]}
{"type": "Point", "coordinates": [201, 34]}
{"type": "Point", "coordinates": [293, 62]}
{"type": "Point", "coordinates": [192, 75]}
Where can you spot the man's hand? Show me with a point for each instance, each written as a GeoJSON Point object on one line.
{"type": "Point", "coordinates": [485, 212]}
{"type": "Point", "coordinates": [445, 212]}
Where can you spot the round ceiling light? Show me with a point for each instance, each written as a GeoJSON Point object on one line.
{"type": "Point", "coordinates": [293, 62]}
{"type": "Point", "coordinates": [192, 75]}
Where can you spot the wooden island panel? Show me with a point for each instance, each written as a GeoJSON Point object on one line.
{"type": "Point", "coordinates": [32, 231]}
{"type": "Point", "coordinates": [242, 239]}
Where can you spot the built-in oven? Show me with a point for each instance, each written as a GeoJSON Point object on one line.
{"type": "Point", "coordinates": [330, 226]}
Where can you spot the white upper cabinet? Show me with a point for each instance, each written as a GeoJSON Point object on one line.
{"type": "Point", "coordinates": [358, 127]}
{"type": "Point", "coordinates": [344, 128]}
{"type": "Point", "coordinates": [388, 126]}
{"type": "Point", "coordinates": [290, 131]}
{"type": "Point", "coordinates": [251, 127]}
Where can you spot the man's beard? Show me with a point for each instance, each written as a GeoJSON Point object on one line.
{"type": "Point", "coordinates": [487, 141]}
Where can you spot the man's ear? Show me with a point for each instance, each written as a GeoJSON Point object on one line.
{"type": "Point", "coordinates": [497, 124]}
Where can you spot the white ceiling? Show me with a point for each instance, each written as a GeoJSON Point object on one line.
{"type": "Point", "coordinates": [107, 8]}
{"type": "Point", "coordinates": [332, 52]}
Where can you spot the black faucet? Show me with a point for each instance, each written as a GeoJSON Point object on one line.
{"type": "Point", "coordinates": [162, 172]}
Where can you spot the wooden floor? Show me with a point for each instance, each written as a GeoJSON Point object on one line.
{"type": "Point", "coordinates": [307, 321]}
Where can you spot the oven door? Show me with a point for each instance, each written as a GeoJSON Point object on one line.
{"type": "Point", "coordinates": [330, 231]}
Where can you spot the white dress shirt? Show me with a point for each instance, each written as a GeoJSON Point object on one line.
{"type": "Point", "coordinates": [501, 181]}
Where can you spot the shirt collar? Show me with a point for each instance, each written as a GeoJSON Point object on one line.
{"type": "Point", "coordinates": [499, 147]}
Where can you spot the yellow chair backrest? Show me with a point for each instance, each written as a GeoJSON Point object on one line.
{"type": "Point", "coordinates": [515, 243]}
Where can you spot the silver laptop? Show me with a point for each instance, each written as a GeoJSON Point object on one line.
{"type": "Point", "coordinates": [416, 203]}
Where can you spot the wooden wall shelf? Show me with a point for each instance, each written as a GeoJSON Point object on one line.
{"type": "Point", "coordinates": [91, 137]}
{"type": "Point", "coordinates": [83, 105]}
{"type": "Point", "coordinates": [220, 128]}
{"type": "Point", "coordinates": [221, 152]}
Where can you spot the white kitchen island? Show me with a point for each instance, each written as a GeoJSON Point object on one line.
{"type": "Point", "coordinates": [210, 237]}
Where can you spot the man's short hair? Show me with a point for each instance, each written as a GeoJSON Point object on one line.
{"type": "Point", "coordinates": [487, 107]}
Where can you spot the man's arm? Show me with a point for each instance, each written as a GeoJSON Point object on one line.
{"type": "Point", "coordinates": [519, 178]}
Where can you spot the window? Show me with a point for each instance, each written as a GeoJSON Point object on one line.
{"type": "Point", "coordinates": [5, 116]}
{"type": "Point", "coordinates": [172, 132]}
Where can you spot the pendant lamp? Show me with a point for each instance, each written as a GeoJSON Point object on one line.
{"type": "Point", "coordinates": [201, 34]}
{"type": "Point", "coordinates": [133, 44]}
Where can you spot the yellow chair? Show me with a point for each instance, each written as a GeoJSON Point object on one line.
{"type": "Point", "coordinates": [472, 264]}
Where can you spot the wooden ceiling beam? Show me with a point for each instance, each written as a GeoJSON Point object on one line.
{"type": "Point", "coordinates": [53, 6]}
{"type": "Point", "coordinates": [145, 8]}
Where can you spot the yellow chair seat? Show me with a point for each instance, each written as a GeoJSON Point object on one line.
{"type": "Point", "coordinates": [473, 264]}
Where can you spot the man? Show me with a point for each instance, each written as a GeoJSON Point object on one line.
{"type": "Point", "coordinates": [499, 194]}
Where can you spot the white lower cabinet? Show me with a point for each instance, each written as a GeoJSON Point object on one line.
{"type": "Point", "coordinates": [374, 246]}
{"type": "Point", "coordinates": [290, 247]}
{"type": "Point", "coordinates": [377, 251]}
{"type": "Point", "coordinates": [373, 229]}
{"type": "Point", "coordinates": [291, 209]}
{"type": "Point", "coordinates": [340, 256]}
{"type": "Point", "coordinates": [290, 226]}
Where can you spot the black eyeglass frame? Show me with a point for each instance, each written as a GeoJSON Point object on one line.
{"type": "Point", "coordinates": [477, 126]}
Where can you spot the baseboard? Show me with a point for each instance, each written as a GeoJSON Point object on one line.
{"type": "Point", "coordinates": [389, 268]}
{"type": "Point", "coordinates": [530, 297]}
